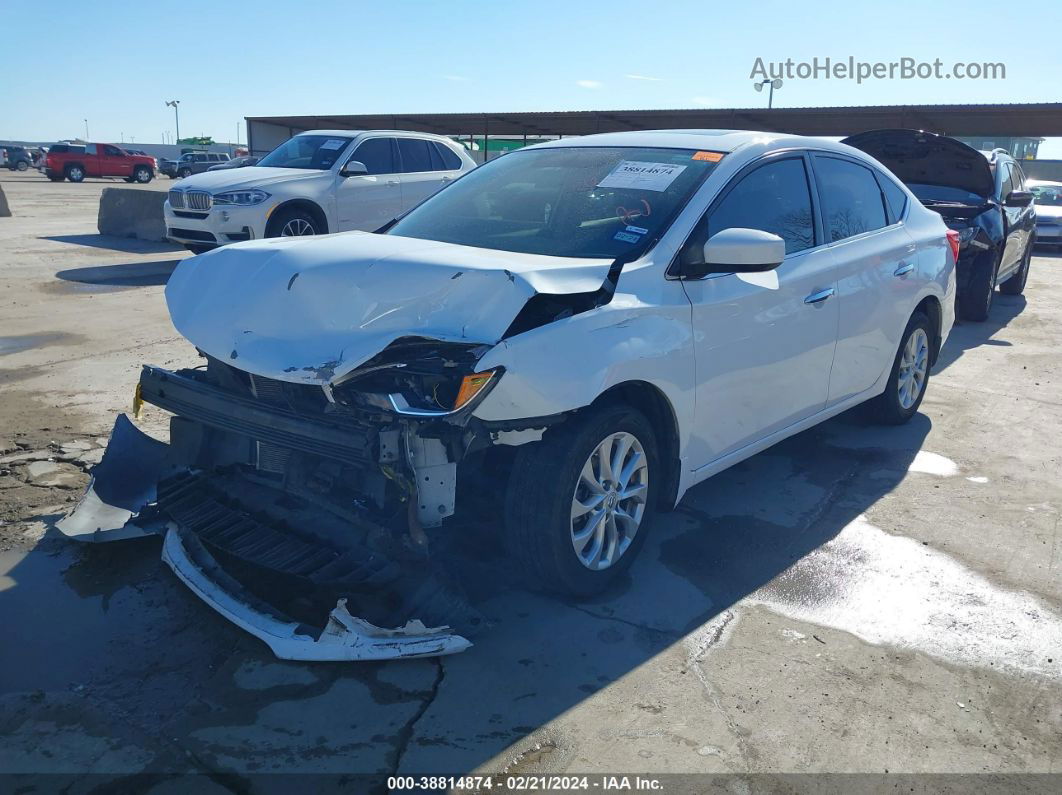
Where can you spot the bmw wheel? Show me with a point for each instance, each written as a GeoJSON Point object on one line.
{"type": "Point", "coordinates": [293, 223]}
{"type": "Point", "coordinates": [579, 502]}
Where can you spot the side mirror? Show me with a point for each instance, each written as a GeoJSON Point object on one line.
{"type": "Point", "coordinates": [739, 250]}
{"type": "Point", "coordinates": [353, 168]}
{"type": "Point", "coordinates": [1018, 198]}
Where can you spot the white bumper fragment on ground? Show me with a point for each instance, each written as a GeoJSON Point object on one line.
{"type": "Point", "coordinates": [344, 638]}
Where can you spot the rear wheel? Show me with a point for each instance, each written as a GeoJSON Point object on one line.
{"type": "Point", "coordinates": [142, 174]}
{"type": "Point", "coordinates": [184, 172]}
{"type": "Point", "coordinates": [22, 165]}
{"type": "Point", "coordinates": [293, 222]}
{"type": "Point", "coordinates": [975, 301]}
{"type": "Point", "coordinates": [75, 173]}
{"type": "Point", "coordinates": [1015, 285]}
{"type": "Point", "coordinates": [579, 502]}
{"type": "Point", "coordinates": [910, 375]}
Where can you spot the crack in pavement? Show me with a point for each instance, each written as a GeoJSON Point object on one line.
{"type": "Point", "coordinates": [670, 634]}
{"type": "Point", "coordinates": [405, 734]}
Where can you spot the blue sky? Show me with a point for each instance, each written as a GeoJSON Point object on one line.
{"type": "Point", "coordinates": [114, 64]}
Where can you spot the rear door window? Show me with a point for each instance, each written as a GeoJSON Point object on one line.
{"type": "Point", "coordinates": [377, 154]}
{"type": "Point", "coordinates": [415, 155]}
{"type": "Point", "coordinates": [894, 197]}
{"type": "Point", "coordinates": [852, 201]}
{"type": "Point", "coordinates": [447, 157]}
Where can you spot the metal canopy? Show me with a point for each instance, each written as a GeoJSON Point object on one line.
{"type": "Point", "coordinates": [1033, 119]}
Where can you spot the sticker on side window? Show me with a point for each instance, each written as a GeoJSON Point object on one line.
{"type": "Point", "coordinates": [638, 175]}
{"type": "Point", "coordinates": [333, 143]}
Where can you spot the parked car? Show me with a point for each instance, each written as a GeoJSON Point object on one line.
{"type": "Point", "coordinates": [981, 195]}
{"type": "Point", "coordinates": [236, 162]}
{"type": "Point", "coordinates": [77, 161]}
{"type": "Point", "coordinates": [17, 158]}
{"type": "Point", "coordinates": [197, 162]}
{"type": "Point", "coordinates": [571, 335]}
{"type": "Point", "coordinates": [317, 182]}
{"type": "Point", "coordinates": [1048, 198]}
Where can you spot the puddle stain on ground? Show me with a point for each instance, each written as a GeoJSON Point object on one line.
{"type": "Point", "coordinates": [893, 590]}
{"type": "Point", "coordinates": [26, 342]}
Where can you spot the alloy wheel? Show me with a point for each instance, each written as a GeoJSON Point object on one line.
{"type": "Point", "coordinates": [609, 500]}
{"type": "Point", "coordinates": [914, 364]}
{"type": "Point", "coordinates": [297, 227]}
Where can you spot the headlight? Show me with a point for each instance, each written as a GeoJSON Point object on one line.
{"type": "Point", "coordinates": [241, 197]}
{"type": "Point", "coordinates": [420, 378]}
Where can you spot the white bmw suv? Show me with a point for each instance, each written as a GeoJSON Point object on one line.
{"type": "Point", "coordinates": [318, 182]}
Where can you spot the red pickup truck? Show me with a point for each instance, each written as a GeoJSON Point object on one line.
{"type": "Point", "coordinates": [77, 161]}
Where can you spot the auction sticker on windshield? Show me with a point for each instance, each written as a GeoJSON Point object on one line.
{"type": "Point", "coordinates": [333, 143]}
{"type": "Point", "coordinates": [642, 176]}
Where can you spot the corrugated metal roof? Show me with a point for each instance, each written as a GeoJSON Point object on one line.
{"type": "Point", "coordinates": [1016, 119]}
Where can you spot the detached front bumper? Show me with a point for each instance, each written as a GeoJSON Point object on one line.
{"type": "Point", "coordinates": [286, 586]}
{"type": "Point", "coordinates": [343, 638]}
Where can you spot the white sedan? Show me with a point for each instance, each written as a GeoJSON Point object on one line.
{"type": "Point", "coordinates": [575, 333]}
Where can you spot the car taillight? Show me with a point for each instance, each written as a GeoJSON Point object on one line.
{"type": "Point", "coordinates": [953, 241]}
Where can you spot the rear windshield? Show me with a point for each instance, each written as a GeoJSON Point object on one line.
{"type": "Point", "coordinates": [581, 201]}
{"type": "Point", "coordinates": [1047, 195]}
{"type": "Point", "coordinates": [307, 151]}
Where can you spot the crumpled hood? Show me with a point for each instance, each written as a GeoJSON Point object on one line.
{"type": "Point", "coordinates": [246, 177]}
{"type": "Point", "coordinates": [311, 310]}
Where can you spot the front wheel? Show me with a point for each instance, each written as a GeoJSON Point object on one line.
{"type": "Point", "coordinates": [22, 165]}
{"type": "Point", "coordinates": [293, 223]}
{"type": "Point", "coordinates": [1015, 285]}
{"type": "Point", "coordinates": [910, 375]}
{"type": "Point", "coordinates": [579, 502]}
{"type": "Point", "coordinates": [975, 302]}
{"type": "Point", "coordinates": [184, 172]}
{"type": "Point", "coordinates": [142, 174]}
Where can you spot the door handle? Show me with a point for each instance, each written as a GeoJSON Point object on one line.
{"type": "Point", "coordinates": [904, 269]}
{"type": "Point", "coordinates": [392, 182]}
{"type": "Point", "coordinates": [447, 179]}
{"type": "Point", "coordinates": [820, 296]}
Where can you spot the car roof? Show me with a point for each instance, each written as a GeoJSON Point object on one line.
{"type": "Point", "coordinates": [711, 140]}
{"type": "Point", "coordinates": [355, 133]}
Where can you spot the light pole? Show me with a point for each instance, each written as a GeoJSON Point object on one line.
{"type": "Point", "coordinates": [86, 129]}
{"type": "Point", "coordinates": [173, 103]}
{"type": "Point", "coordinates": [776, 83]}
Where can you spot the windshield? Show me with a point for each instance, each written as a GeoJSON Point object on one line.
{"type": "Point", "coordinates": [318, 152]}
{"type": "Point", "coordinates": [565, 202]}
{"type": "Point", "coordinates": [1047, 195]}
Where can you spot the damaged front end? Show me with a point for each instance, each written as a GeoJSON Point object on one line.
{"type": "Point", "coordinates": [299, 511]}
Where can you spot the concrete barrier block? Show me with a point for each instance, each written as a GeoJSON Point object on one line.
{"type": "Point", "coordinates": [5, 211]}
{"type": "Point", "coordinates": [129, 212]}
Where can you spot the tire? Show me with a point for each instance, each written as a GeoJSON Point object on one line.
{"type": "Point", "coordinates": [198, 249]}
{"type": "Point", "coordinates": [142, 174]}
{"type": "Point", "coordinates": [184, 172]}
{"type": "Point", "coordinates": [545, 484]}
{"type": "Point", "coordinates": [975, 302]}
{"type": "Point", "coordinates": [893, 407]}
{"type": "Point", "coordinates": [293, 222]}
{"type": "Point", "coordinates": [22, 165]}
{"type": "Point", "coordinates": [1015, 285]}
{"type": "Point", "coordinates": [75, 173]}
